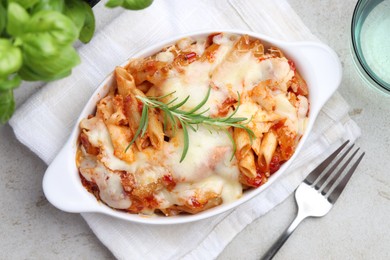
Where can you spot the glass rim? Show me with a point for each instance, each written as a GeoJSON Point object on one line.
{"type": "Point", "coordinates": [358, 56]}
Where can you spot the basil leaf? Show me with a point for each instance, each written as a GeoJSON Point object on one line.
{"type": "Point", "coordinates": [17, 18]}
{"type": "Point", "coordinates": [136, 4]}
{"type": "Point", "coordinates": [41, 46]}
{"type": "Point", "coordinates": [114, 3]}
{"type": "Point", "coordinates": [31, 75]}
{"type": "Point", "coordinates": [7, 105]}
{"type": "Point", "coordinates": [3, 18]}
{"type": "Point", "coordinates": [74, 10]}
{"type": "Point", "coordinates": [54, 5]}
{"type": "Point", "coordinates": [24, 3]}
{"type": "Point", "coordinates": [50, 26]}
{"type": "Point", "coordinates": [49, 68]}
{"type": "Point", "coordinates": [88, 29]}
{"type": "Point", "coordinates": [130, 4]}
{"type": "Point", "coordinates": [46, 46]}
{"type": "Point", "coordinates": [10, 58]}
{"type": "Point", "coordinates": [82, 16]}
{"type": "Point", "coordinates": [8, 84]}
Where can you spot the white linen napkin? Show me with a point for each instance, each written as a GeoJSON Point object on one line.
{"type": "Point", "coordinates": [50, 114]}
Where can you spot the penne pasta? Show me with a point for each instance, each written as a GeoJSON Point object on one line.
{"type": "Point", "coordinates": [243, 142]}
{"type": "Point", "coordinates": [256, 143]}
{"type": "Point", "coordinates": [247, 165]}
{"type": "Point", "coordinates": [158, 144]}
{"type": "Point", "coordinates": [155, 130]}
{"type": "Point", "coordinates": [132, 111]}
{"type": "Point", "coordinates": [125, 81]}
{"type": "Point", "coordinates": [268, 146]}
{"type": "Point", "coordinates": [120, 138]}
{"type": "Point", "coordinates": [262, 95]}
{"type": "Point", "coordinates": [277, 52]}
{"type": "Point", "coordinates": [118, 116]}
{"type": "Point", "coordinates": [104, 108]}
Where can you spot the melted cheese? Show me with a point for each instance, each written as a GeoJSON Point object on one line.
{"type": "Point", "coordinates": [195, 81]}
{"type": "Point", "coordinates": [247, 109]}
{"type": "Point", "coordinates": [110, 185]}
{"type": "Point", "coordinates": [208, 154]}
{"type": "Point", "coordinates": [303, 109]}
{"type": "Point", "coordinates": [247, 71]}
{"type": "Point", "coordinates": [183, 192]}
{"type": "Point", "coordinates": [284, 108]}
{"type": "Point", "coordinates": [165, 56]}
{"type": "Point", "coordinates": [207, 167]}
{"type": "Point", "coordinates": [99, 136]}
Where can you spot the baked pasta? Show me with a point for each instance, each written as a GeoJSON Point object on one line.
{"type": "Point", "coordinates": [147, 173]}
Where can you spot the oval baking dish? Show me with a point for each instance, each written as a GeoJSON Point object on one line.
{"type": "Point", "coordinates": [318, 65]}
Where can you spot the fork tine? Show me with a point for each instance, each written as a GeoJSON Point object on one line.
{"type": "Point", "coordinates": [319, 184]}
{"type": "Point", "coordinates": [313, 176]}
{"type": "Point", "coordinates": [334, 195]}
{"type": "Point", "coordinates": [333, 178]}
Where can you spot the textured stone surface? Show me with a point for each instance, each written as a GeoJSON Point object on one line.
{"type": "Point", "coordinates": [357, 227]}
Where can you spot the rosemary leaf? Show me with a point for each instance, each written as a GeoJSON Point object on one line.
{"type": "Point", "coordinates": [143, 125]}
{"type": "Point", "coordinates": [179, 104]}
{"type": "Point", "coordinates": [189, 119]}
{"type": "Point", "coordinates": [186, 141]}
{"type": "Point", "coordinates": [145, 120]}
{"type": "Point", "coordinates": [234, 143]}
{"type": "Point", "coordinates": [201, 103]}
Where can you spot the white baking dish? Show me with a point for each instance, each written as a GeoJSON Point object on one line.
{"type": "Point", "coordinates": [317, 63]}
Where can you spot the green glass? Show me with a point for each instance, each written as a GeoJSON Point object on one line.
{"type": "Point", "coordinates": [371, 42]}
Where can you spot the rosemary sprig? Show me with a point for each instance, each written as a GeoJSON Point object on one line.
{"type": "Point", "coordinates": [173, 115]}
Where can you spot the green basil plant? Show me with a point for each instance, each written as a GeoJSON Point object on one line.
{"type": "Point", "coordinates": [37, 38]}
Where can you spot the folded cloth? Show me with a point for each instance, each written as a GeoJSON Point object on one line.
{"type": "Point", "coordinates": [50, 114]}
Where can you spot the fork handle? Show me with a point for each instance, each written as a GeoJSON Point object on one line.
{"type": "Point", "coordinates": [282, 239]}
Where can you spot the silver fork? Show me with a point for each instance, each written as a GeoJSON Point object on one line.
{"type": "Point", "coordinates": [316, 195]}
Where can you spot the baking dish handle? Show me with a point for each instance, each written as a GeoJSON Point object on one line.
{"type": "Point", "coordinates": [62, 185]}
{"type": "Point", "coordinates": [324, 71]}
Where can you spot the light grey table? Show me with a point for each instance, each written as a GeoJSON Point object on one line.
{"type": "Point", "coordinates": [357, 227]}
